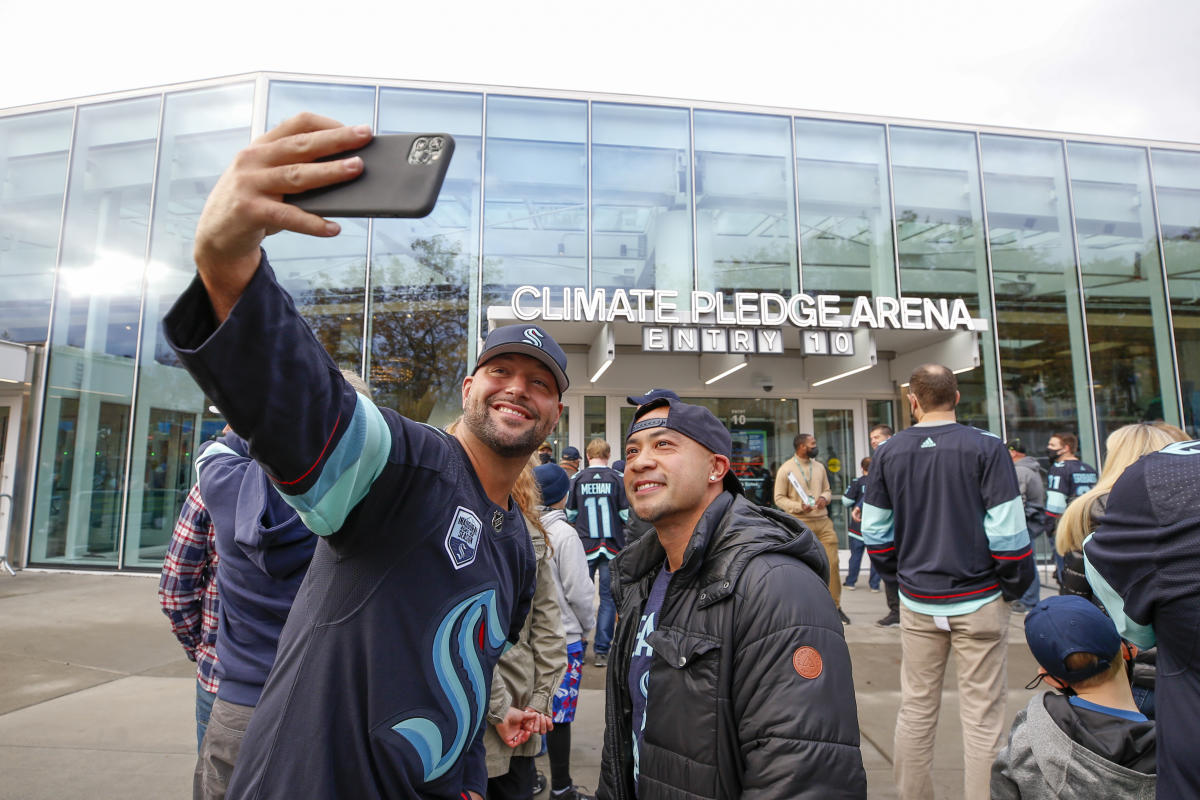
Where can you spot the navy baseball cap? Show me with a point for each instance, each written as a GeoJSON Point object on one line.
{"type": "Point", "coordinates": [651, 396]}
{"type": "Point", "coordinates": [1064, 624]}
{"type": "Point", "coordinates": [553, 481]}
{"type": "Point", "coordinates": [526, 340]}
{"type": "Point", "coordinates": [571, 454]}
{"type": "Point", "coordinates": [695, 422]}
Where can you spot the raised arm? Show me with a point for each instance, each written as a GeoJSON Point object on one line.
{"type": "Point", "coordinates": [246, 204]}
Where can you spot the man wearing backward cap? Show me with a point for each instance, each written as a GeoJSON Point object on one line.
{"type": "Point", "coordinates": [729, 675]}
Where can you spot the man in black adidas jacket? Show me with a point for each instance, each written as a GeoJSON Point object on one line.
{"type": "Point", "coordinates": [729, 675]}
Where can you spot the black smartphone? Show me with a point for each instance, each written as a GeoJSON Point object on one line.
{"type": "Point", "coordinates": [402, 176]}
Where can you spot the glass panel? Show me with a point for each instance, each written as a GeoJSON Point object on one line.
{"type": "Point", "coordinates": [202, 131]}
{"type": "Point", "coordinates": [81, 471]}
{"type": "Point", "coordinates": [880, 412]}
{"type": "Point", "coordinates": [593, 421]}
{"type": "Point", "coordinates": [535, 196]}
{"type": "Point", "coordinates": [939, 223]}
{"type": "Point", "coordinates": [1122, 285]}
{"type": "Point", "coordinates": [834, 432]}
{"type": "Point", "coordinates": [1177, 184]}
{"type": "Point", "coordinates": [762, 431]}
{"type": "Point", "coordinates": [845, 209]}
{"type": "Point", "coordinates": [745, 204]}
{"type": "Point", "coordinates": [33, 175]}
{"type": "Point", "coordinates": [641, 207]}
{"type": "Point", "coordinates": [423, 271]}
{"type": "Point", "coordinates": [326, 277]}
{"type": "Point", "coordinates": [1039, 319]}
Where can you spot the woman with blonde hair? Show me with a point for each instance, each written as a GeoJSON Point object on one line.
{"type": "Point", "coordinates": [1125, 445]}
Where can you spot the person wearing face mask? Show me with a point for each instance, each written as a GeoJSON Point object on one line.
{"type": "Point", "coordinates": [1069, 478]}
{"type": "Point", "coordinates": [802, 490]}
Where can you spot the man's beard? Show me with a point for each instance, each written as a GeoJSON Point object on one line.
{"type": "Point", "coordinates": [477, 420]}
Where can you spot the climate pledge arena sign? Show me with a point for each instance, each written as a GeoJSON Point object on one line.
{"type": "Point", "coordinates": [746, 322]}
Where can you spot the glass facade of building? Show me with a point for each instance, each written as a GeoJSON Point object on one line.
{"type": "Point", "coordinates": [1082, 255]}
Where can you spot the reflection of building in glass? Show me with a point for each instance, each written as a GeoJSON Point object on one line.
{"type": "Point", "coordinates": [1079, 253]}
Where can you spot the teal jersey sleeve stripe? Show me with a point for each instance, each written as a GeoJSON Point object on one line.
{"type": "Point", "coordinates": [347, 475]}
{"type": "Point", "coordinates": [1056, 502]}
{"type": "Point", "coordinates": [1141, 635]}
{"type": "Point", "coordinates": [623, 514]}
{"type": "Point", "coordinates": [846, 501]}
{"type": "Point", "coordinates": [572, 514]}
{"type": "Point", "coordinates": [1005, 526]}
{"type": "Point", "coordinates": [878, 524]}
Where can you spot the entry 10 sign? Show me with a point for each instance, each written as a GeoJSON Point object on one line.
{"type": "Point", "coordinates": [686, 339]}
{"type": "Point", "coordinates": [827, 343]}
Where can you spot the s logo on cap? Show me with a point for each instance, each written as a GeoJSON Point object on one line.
{"type": "Point", "coordinates": [534, 337]}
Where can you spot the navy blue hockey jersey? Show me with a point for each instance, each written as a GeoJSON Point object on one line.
{"type": "Point", "coordinates": [597, 506]}
{"type": "Point", "coordinates": [943, 515]}
{"type": "Point", "coordinates": [1066, 481]}
{"type": "Point", "coordinates": [1142, 562]}
{"type": "Point", "coordinates": [384, 667]}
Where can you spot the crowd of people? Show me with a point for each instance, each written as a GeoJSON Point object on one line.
{"type": "Point", "coordinates": [381, 608]}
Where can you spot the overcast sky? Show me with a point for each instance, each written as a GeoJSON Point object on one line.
{"type": "Point", "coordinates": [1089, 66]}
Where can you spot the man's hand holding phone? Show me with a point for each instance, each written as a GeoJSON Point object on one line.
{"type": "Point", "coordinates": [247, 203]}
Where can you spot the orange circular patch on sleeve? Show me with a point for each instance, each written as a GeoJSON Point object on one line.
{"type": "Point", "coordinates": [807, 662]}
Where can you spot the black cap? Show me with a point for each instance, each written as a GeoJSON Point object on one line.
{"type": "Point", "coordinates": [651, 396]}
{"type": "Point", "coordinates": [1015, 444]}
{"type": "Point", "coordinates": [695, 422]}
{"type": "Point", "coordinates": [526, 340]}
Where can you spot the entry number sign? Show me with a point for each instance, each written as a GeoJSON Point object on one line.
{"type": "Point", "coordinates": [827, 343]}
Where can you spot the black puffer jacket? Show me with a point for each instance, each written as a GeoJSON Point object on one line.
{"type": "Point", "coordinates": [751, 692]}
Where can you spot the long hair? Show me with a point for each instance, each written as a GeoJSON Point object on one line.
{"type": "Point", "coordinates": [1125, 446]}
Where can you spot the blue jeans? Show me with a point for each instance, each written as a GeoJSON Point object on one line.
{"type": "Point", "coordinates": [204, 703]}
{"type": "Point", "coordinates": [1033, 594]}
{"type": "Point", "coordinates": [606, 617]}
{"type": "Point", "coordinates": [857, 548]}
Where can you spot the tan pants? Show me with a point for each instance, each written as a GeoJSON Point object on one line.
{"type": "Point", "coordinates": [980, 644]}
{"type": "Point", "coordinates": [822, 528]}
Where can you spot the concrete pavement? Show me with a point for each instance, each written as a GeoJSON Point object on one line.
{"type": "Point", "coordinates": [97, 699]}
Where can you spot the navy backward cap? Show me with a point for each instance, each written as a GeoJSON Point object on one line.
{"type": "Point", "coordinates": [1065, 624]}
{"type": "Point", "coordinates": [526, 340]}
{"type": "Point", "coordinates": [651, 396]}
{"type": "Point", "coordinates": [695, 422]}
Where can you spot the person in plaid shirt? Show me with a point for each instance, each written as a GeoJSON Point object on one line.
{"type": "Point", "coordinates": [187, 592]}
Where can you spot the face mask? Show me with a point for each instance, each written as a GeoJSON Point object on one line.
{"type": "Point", "coordinates": [1052, 453]}
{"type": "Point", "coordinates": [812, 452]}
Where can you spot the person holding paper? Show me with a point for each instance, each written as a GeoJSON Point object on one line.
{"type": "Point", "coordinates": [802, 490]}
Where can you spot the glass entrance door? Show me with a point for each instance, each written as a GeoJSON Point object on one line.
{"type": "Point", "coordinates": [837, 428]}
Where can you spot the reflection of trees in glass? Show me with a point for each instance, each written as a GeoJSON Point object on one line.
{"type": "Point", "coordinates": [332, 304]}
{"type": "Point", "coordinates": [419, 314]}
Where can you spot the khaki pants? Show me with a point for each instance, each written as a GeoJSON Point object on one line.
{"type": "Point", "coordinates": [822, 528]}
{"type": "Point", "coordinates": [219, 751]}
{"type": "Point", "coordinates": [980, 645]}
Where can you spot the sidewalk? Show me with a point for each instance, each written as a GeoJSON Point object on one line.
{"type": "Point", "coordinates": [97, 699]}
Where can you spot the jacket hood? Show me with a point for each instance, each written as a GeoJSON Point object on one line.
{"type": "Point", "coordinates": [730, 533]}
{"type": "Point", "coordinates": [553, 515]}
{"type": "Point", "coordinates": [239, 495]}
{"type": "Point", "coordinates": [1029, 462]}
{"type": "Point", "coordinates": [1062, 760]}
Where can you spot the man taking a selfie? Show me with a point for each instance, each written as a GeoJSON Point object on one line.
{"type": "Point", "coordinates": [425, 568]}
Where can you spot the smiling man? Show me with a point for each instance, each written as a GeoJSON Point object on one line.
{"type": "Point", "coordinates": [729, 675]}
{"type": "Point", "coordinates": [425, 569]}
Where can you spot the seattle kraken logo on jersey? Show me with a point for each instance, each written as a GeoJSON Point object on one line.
{"type": "Point", "coordinates": [533, 336]}
{"type": "Point", "coordinates": [462, 540]}
{"type": "Point", "coordinates": [471, 626]}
